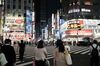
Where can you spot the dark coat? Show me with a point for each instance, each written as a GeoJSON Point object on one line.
{"type": "Point", "coordinates": [9, 53]}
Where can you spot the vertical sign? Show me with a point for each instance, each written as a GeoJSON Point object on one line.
{"type": "Point", "coordinates": [28, 22]}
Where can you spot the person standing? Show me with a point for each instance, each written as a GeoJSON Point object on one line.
{"type": "Point", "coordinates": [40, 54]}
{"type": "Point", "coordinates": [21, 50]}
{"type": "Point", "coordinates": [9, 53]}
{"type": "Point", "coordinates": [59, 57]}
{"type": "Point", "coordinates": [94, 50]}
{"type": "Point", "coordinates": [3, 60]}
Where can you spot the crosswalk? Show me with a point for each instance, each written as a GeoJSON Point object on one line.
{"type": "Point", "coordinates": [74, 50]}
{"type": "Point", "coordinates": [28, 60]}
{"type": "Point", "coordinates": [79, 50]}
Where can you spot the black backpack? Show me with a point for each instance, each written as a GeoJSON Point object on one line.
{"type": "Point", "coordinates": [94, 52]}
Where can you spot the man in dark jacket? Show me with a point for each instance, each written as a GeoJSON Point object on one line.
{"type": "Point", "coordinates": [94, 49]}
{"type": "Point", "coordinates": [9, 53]}
{"type": "Point", "coordinates": [21, 50]}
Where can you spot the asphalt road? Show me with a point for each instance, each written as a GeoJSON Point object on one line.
{"type": "Point", "coordinates": [78, 59]}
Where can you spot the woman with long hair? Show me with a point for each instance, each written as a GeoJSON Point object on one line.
{"type": "Point", "coordinates": [40, 54]}
{"type": "Point", "coordinates": [59, 54]}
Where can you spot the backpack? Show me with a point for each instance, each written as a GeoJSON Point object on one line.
{"type": "Point", "coordinates": [94, 52]}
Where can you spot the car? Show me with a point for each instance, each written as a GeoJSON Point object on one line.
{"type": "Point", "coordinates": [83, 43]}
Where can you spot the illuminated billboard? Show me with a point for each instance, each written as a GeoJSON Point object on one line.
{"type": "Point", "coordinates": [75, 24]}
{"type": "Point", "coordinates": [28, 22]}
{"type": "Point", "coordinates": [85, 32]}
{"type": "Point", "coordinates": [15, 24]}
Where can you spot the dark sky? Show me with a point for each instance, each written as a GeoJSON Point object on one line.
{"type": "Point", "coordinates": [53, 5]}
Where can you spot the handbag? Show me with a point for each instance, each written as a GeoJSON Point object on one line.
{"type": "Point", "coordinates": [3, 60]}
{"type": "Point", "coordinates": [68, 58]}
{"type": "Point", "coordinates": [47, 63]}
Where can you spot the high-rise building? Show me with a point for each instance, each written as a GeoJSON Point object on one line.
{"type": "Point", "coordinates": [43, 14]}
{"type": "Point", "coordinates": [82, 18]}
{"type": "Point", "coordinates": [81, 8]}
{"type": "Point", "coordinates": [15, 17]}
{"type": "Point", "coordinates": [1, 18]}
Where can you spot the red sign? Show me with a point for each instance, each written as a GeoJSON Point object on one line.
{"type": "Point", "coordinates": [79, 32]}
{"type": "Point", "coordinates": [19, 21]}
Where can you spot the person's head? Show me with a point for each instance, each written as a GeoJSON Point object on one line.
{"type": "Point", "coordinates": [22, 41]}
{"type": "Point", "coordinates": [7, 41]}
{"type": "Point", "coordinates": [95, 41]}
{"type": "Point", "coordinates": [40, 44]}
{"type": "Point", "coordinates": [59, 44]}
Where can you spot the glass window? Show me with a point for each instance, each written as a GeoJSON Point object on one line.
{"type": "Point", "coordinates": [24, 7]}
{"type": "Point", "coordinates": [19, 15]}
{"type": "Point", "coordinates": [14, 0]}
{"type": "Point", "coordinates": [8, 1]}
{"type": "Point", "coordinates": [14, 6]}
{"type": "Point", "coordinates": [19, 6]}
{"type": "Point", "coordinates": [29, 1]}
{"type": "Point", "coordinates": [14, 13]}
{"type": "Point", "coordinates": [8, 6]}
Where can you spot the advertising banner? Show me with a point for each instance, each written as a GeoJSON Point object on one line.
{"type": "Point", "coordinates": [28, 21]}
{"type": "Point", "coordinates": [85, 32]}
{"type": "Point", "coordinates": [75, 24]}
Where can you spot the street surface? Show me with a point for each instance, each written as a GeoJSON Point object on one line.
{"type": "Point", "coordinates": [80, 55]}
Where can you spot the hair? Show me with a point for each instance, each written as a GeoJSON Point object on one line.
{"type": "Point", "coordinates": [95, 41]}
{"type": "Point", "coordinates": [60, 46]}
{"type": "Point", "coordinates": [22, 41]}
{"type": "Point", "coordinates": [7, 41]}
{"type": "Point", "coordinates": [40, 44]}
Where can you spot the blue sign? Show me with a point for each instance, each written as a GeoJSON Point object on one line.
{"type": "Point", "coordinates": [62, 21]}
{"type": "Point", "coordinates": [28, 29]}
{"type": "Point", "coordinates": [28, 21]}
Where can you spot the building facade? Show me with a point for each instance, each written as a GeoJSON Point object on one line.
{"type": "Point", "coordinates": [82, 19]}
{"type": "Point", "coordinates": [15, 18]}
{"type": "Point", "coordinates": [43, 15]}
{"type": "Point", "coordinates": [1, 18]}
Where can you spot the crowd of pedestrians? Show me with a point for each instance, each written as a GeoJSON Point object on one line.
{"type": "Point", "coordinates": [61, 53]}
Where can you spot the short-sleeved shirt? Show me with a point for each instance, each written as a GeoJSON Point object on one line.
{"type": "Point", "coordinates": [40, 53]}
{"type": "Point", "coordinates": [3, 60]}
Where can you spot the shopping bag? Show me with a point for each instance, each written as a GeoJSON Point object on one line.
{"type": "Point", "coordinates": [47, 63]}
{"type": "Point", "coordinates": [33, 62]}
{"type": "Point", "coordinates": [68, 59]}
{"type": "Point", "coordinates": [99, 53]}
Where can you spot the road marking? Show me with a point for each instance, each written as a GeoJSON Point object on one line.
{"type": "Point", "coordinates": [85, 52]}
{"type": "Point", "coordinates": [80, 51]}
{"type": "Point", "coordinates": [76, 50]}
{"type": "Point", "coordinates": [31, 62]}
{"type": "Point", "coordinates": [26, 63]}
